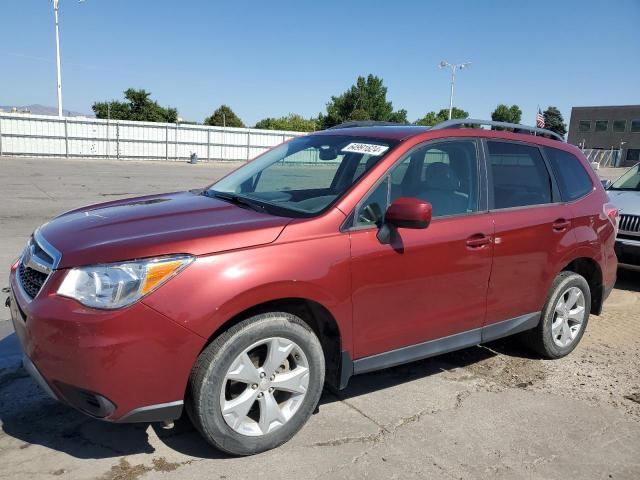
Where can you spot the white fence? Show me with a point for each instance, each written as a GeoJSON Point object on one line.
{"type": "Point", "coordinates": [604, 158]}
{"type": "Point", "coordinates": [47, 136]}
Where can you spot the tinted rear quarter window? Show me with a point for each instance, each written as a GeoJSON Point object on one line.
{"type": "Point", "coordinates": [520, 176]}
{"type": "Point", "coordinates": [572, 178]}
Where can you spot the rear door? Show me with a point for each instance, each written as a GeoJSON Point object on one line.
{"type": "Point", "coordinates": [532, 229]}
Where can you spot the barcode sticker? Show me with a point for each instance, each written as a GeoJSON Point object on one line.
{"type": "Point", "coordinates": [366, 148]}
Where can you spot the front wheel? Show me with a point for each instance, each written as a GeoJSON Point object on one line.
{"type": "Point", "coordinates": [564, 317]}
{"type": "Point", "coordinates": [257, 384]}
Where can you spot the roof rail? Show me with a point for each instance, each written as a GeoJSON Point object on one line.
{"type": "Point", "coordinates": [365, 123]}
{"type": "Point", "coordinates": [517, 128]}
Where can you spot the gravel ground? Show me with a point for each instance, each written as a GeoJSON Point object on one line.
{"type": "Point", "coordinates": [489, 411]}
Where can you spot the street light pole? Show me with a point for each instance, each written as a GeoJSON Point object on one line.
{"type": "Point", "coordinates": [55, 14]}
{"type": "Point", "coordinates": [453, 67]}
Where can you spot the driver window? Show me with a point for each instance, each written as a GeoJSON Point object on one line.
{"type": "Point", "coordinates": [443, 173]}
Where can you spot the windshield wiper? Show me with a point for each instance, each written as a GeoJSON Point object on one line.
{"type": "Point", "coordinates": [237, 200]}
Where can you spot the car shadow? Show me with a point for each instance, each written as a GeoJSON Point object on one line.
{"type": "Point", "coordinates": [628, 279]}
{"type": "Point", "coordinates": [391, 377]}
{"type": "Point", "coordinates": [28, 415]}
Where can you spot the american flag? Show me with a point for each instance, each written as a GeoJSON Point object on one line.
{"type": "Point", "coordinates": [539, 119]}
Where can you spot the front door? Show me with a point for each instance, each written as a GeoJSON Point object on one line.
{"type": "Point", "coordinates": [429, 283]}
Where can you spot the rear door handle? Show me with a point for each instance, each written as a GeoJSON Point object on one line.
{"type": "Point", "coordinates": [561, 225]}
{"type": "Point", "coordinates": [478, 240]}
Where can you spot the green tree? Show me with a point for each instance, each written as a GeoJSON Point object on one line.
{"type": "Point", "coordinates": [293, 122]}
{"type": "Point", "coordinates": [433, 118]}
{"type": "Point", "coordinates": [365, 100]}
{"type": "Point", "coordinates": [505, 113]}
{"type": "Point", "coordinates": [554, 121]}
{"type": "Point", "coordinates": [224, 117]}
{"type": "Point", "coordinates": [138, 106]}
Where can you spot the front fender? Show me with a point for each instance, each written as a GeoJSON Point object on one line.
{"type": "Point", "coordinates": [216, 288]}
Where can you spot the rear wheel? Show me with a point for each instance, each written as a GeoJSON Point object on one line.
{"type": "Point", "coordinates": [564, 317]}
{"type": "Point", "coordinates": [257, 384]}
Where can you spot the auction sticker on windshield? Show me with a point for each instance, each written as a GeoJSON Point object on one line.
{"type": "Point", "coordinates": [367, 148]}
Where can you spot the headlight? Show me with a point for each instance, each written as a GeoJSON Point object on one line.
{"type": "Point", "coordinates": [117, 285]}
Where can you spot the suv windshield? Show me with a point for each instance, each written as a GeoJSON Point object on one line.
{"type": "Point", "coordinates": [629, 181]}
{"type": "Point", "coordinates": [304, 176]}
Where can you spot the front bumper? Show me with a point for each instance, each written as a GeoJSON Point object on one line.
{"type": "Point", "coordinates": [628, 251]}
{"type": "Point", "coordinates": [128, 365]}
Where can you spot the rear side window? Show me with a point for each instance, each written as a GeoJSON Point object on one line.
{"type": "Point", "coordinates": [520, 176]}
{"type": "Point", "coordinates": [573, 180]}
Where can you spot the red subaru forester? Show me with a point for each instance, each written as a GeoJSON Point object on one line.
{"type": "Point", "coordinates": [337, 253]}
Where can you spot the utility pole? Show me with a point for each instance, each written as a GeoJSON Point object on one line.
{"type": "Point", "coordinates": [453, 67]}
{"type": "Point", "coordinates": [55, 15]}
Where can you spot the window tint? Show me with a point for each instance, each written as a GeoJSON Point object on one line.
{"type": "Point", "coordinates": [520, 176]}
{"type": "Point", "coordinates": [444, 174]}
{"type": "Point", "coordinates": [584, 125]}
{"type": "Point", "coordinates": [619, 125]}
{"type": "Point", "coordinates": [635, 125]}
{"type": "Point", "coordinates": [573, 180]}
{"type": "Point", "coordinates": [602, 125]}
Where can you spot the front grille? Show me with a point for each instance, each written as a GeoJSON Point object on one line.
{"type": "Point", "coordinates": [38, 260]}
{"type": "Point", "coordinates": [31, 280]}
{"type": "Point", "coordinates": [629, 223]}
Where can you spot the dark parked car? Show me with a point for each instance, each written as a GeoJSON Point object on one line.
{"type": "Point", "coordinates": [334, 254]}
{"type": "Point", "coordinates": [624, 193]}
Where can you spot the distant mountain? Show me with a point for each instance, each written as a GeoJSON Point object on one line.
{"type": "Point", "coordinates": [37, 109]}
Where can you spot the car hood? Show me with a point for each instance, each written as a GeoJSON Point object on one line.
{"type": "Point", "coordinates": [627, 201]}
{"type": "Point", "coordinates": [182, 222]}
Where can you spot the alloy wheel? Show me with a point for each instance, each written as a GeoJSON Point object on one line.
{"type": "Point", "coordinates": [568, 317]}
{"type": "Point", "coordinates": [264, 386]}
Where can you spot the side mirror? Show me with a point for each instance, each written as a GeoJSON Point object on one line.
{"type": "Point", "coordinates": [404, 212]}
{"type": "Point", "coordinates": [606, 183]}
{"type": "Point", "coordinates": [407, 212]}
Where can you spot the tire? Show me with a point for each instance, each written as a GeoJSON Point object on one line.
{"type": "Point", "coordinates": [227, 355]}
{"type": "Point", "coordinates": [547, 340]}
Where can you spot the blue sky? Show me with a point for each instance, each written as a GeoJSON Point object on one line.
{"type": "Point", "coordinates": [272, 58]}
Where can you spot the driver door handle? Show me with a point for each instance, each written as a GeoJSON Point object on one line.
{"type": "Point", "coordinates": [478, 240]}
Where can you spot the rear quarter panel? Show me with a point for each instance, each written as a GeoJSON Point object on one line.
{"type": "Point", "coordinates": [595, 235]}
